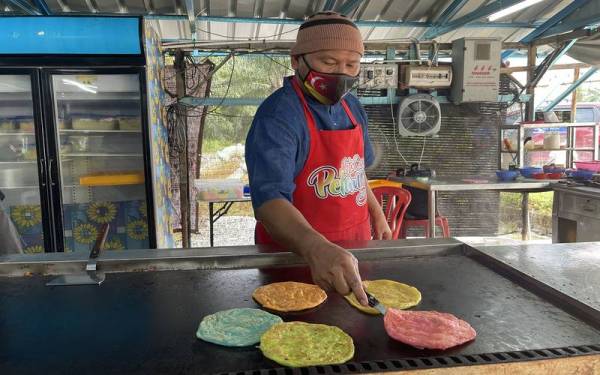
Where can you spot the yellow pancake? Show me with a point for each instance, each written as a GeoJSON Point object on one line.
{"type": "Point", "coordinates": [390, 293]}
{"type": "Point", "coordinates": [299, 344]}
{"type": "Point", "coordinates": [289, 296]}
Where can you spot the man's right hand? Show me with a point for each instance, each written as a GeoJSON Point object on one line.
{"type": "Point", "coordinates": [334, 268]}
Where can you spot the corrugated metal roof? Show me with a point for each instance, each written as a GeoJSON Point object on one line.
{"type": "Point", "coordinates": [421, 14]}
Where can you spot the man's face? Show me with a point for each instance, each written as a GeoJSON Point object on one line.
{"type": "Point", "coordinates": [331, 61]}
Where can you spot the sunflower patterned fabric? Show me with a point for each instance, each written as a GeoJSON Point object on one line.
{"type": "Point", "coordinates": [128, 225]}
{"type": "Point", "coordinates": [127, 220]}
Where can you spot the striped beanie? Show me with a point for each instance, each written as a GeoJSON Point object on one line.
{"type": "Point", "coordinates": [327, 31]}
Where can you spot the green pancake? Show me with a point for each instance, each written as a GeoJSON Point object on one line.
{"type": "Point", "coordinates": [236, 327]}
{"type": "Point", "coordinates": [299, 344]}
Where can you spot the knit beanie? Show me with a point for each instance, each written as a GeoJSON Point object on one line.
{"type": "Point", "coordinates": [327, 31]}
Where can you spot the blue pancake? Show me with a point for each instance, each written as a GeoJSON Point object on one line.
{"type": "Point", "coordinates": [236, 327]}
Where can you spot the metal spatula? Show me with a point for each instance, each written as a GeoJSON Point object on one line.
{"type": "Point", "coordinates": [374, 303]}
{"type": "Point", "coordinates": [91, 276]}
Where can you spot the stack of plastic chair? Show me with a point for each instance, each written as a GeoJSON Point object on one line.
{"type": "Point", "coordinates": [440, 221]}
{"type": "Point", "coordinates": [394, 201]}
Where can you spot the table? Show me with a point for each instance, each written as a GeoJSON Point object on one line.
{"type": "Point", "coordinates": [433, 185]}
{"type": "Point", "coordinates": [213, 215]}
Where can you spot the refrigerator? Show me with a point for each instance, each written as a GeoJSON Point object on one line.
{"type": "Point", "coordinates": [74, 133]}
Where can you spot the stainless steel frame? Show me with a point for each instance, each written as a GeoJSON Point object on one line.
{"type": "Point", "coordinates": [434, 185]}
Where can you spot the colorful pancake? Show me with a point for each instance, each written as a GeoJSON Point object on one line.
{"type": "Point", "coordinates": [289, 296]}
{"type": "Point", "coordinates": [427, 329]}
{"type": "Point", "coordinates": [236, 327]}
{"type": "Point", "coordinates": [390, 293]}
{"type": "Point", "coordinates": [299, 344]}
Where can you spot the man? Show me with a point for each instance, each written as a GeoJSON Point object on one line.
{"type": "Point", "coordinates": [306, 152]}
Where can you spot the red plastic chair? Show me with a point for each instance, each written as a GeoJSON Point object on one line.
{"type": "Point", "coordinates": [440, 221]}
{"type": "Point", "coordinates": [394, 201]}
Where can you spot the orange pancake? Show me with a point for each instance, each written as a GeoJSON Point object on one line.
{"type": "Point", "coordinates": [289, 296]}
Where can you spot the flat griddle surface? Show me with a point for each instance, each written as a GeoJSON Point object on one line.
{"type": "Point", "coordinates": [145, 322]}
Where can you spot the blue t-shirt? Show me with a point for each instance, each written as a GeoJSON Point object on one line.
{"type": "Point", "coordinates": [278, 142]}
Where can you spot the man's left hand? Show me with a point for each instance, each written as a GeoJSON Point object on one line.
{"type": "Point", "coordinates": [381, 229]}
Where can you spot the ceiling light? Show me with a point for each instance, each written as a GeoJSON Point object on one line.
{"type": "Point", "coordinates": [512, 9]}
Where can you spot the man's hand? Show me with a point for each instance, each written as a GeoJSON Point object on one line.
{"type": "Point", "coordinates": [381, 229]}
{"type": "Point", "coordinates": [334, 268]}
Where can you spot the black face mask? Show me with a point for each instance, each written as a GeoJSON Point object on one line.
{"type": "Point", "coordinates": [327, 88]}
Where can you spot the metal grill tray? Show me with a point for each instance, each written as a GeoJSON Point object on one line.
{"type": "Point", "coordinates": [145, 322]}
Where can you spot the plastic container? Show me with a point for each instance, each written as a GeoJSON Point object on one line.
{"type": "Point", "coordinates": [552, 141]}
{"type": "Point", "coordinates": [582, 175]}
{"type": "Point", "coordinates": [593, 166]}
{"type": "Point", "coordinates": [540, 176]}
{"type": "Point", "coordinates": [554, 168]}
{"type": "Point", "coordinates": [215, 190]}
{"type": "Point", "coordinates": [528, 172]}
{"type": "Point", "coordinates": [507, 175]}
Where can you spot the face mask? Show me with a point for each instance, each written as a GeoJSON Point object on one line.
{"type": "Point", "coordinates": [327, 88]}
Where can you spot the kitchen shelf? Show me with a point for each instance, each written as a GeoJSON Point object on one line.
{"type": "Point", "coordinates": [90, 154]}
{"type": "Point", "coordinates": [77, 131]}
{"type": "Point", "coordinates": [558, 125]}
{"type": "Point", "coordinates": [101, 96]}
{"type": "Point", "coordinates": [98, 186]}
{"type": "Point", "coordinates": [16, 134]}
{"type": "Point", "coordinates": [560, 149]}
{"type": "Point", "coordinates": [19, 162]}
{"type": "Point", "coordinates": [19, 187]}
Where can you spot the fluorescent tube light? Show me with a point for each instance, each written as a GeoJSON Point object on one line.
{"type": "Point", "coordinates": [512, 9]}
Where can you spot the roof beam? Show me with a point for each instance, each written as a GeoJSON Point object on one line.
{"type": "Point", "coordinates": [24, 6]}
{"type": "Point", "coordinates": [329, 5]}
{"type": "Point", "coordinates": [558, 39]}
{"type": "Point", "coordinates": [480, 12]}
{"type": "Point", "coordinates": [191, 16]}
{"type": "Point", "coordinates": [349, 6]}
{"type": "Point", "coordinates": [374, 23]}
{"type": "Point", "coordinates": [514, 69]}
{"type": "Point", "coordinates": [121, 5]}
{"type": "Point", "coordinates": [572, 25]}
{"type": "Point", "coordinates": [259, 6]}
{"type": "Point", "coordinates": [283, 14]}
{"type": "Point", "coordinates": [43, 7]}
{"type": "Point", "coordinates": [450, 12]}
{"type": "Point", "coordinates": [549, 61]}
{"type": "Point", "coordinates": [570, 89]}
{"type": "Point", "coordinates": [558, 17]}
{"type": "Point", "coordinates": [92, 6]}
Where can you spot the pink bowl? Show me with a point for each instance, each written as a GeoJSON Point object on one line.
{"type": "Point", "coordinates": [593, 166]}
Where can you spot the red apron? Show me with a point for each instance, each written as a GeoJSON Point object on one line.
{"type": "Point", "coordinates": [331, 189]}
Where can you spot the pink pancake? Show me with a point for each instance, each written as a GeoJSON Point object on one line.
{"type": "Point", "coordinates": [427, 329]}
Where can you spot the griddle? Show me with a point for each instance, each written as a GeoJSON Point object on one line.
{"type": "Point", "coordinates": [145, 322]}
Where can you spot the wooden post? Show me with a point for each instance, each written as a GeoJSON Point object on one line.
{"type": "Point", "coordinates": [530, 106]}
{"type": "Point", "coordinates": [574, 96]}
{"type": "Point", "coordinates": [529, 116]}
{"type": "Point", "coordinates": [184, 191]}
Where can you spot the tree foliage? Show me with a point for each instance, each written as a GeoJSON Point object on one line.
{"type": "Point", "coordinates": [245, 76]}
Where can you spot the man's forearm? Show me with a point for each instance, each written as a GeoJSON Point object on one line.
{"type": "Point", "coordinates": [375, 209]}
{"type": "Point", "coordinates": [287, 226]}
